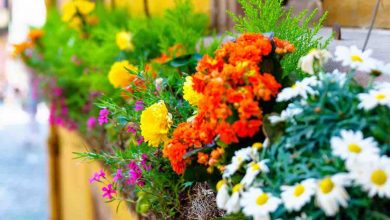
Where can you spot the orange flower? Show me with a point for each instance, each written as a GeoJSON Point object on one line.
{"type": "Point", "coordinates": [283, 46]}
{"type": "Point", "coordinates": [20, 48]}
{"type": "Point", "coordinates": [232, 89]}
{"type": "Point", "coordinates": [35, 34]}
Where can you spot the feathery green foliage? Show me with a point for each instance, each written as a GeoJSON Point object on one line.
{"type": "Point", "coordinates": [263, 16]}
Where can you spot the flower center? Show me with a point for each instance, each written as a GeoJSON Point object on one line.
{"type": "Point", "coordinates": [356, 58]}
{"type": "Point", "coordinates": [255, 167]}
{"type": "Point", "coordinates": [257, 145]}
{"type": "Point", "coordinates": [299, 190]}
{"type": "Point", "coordinates": [326, 185]}
{"type": "Point", "coordinates": [237, 187]}
{"type": "Point", "coordinates": [354, 148]}
{"type": "Point", "coordinates": [220, 184]}
{"type": "Point", "coordinates": [379, 177]}
{"type": "Point", "coordinates": [262, 199]}
{"type": "Point", "coordinates": [380, 97]}
{"type": "Point", "coordinates": [294, 86]}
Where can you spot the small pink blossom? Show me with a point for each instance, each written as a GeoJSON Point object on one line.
{"type": "Point", "coordinates": [118, 175]}
{"type": "Point", "coordinates": [140, 140]}
{"type": "Point", "coordinates": [103, 116]}
{"type": "Point", "coordinates": [91, 122]}
{"type": "Point", "coordinates": [132, 128]}
{"type": "Point", "coordinates": [97, 176]}
{"type": "Point", "coordinates": [108, 191]}
{"type": "Point", "coordinates": [139, 105]}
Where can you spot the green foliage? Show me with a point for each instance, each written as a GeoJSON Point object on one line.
{"type": "Point", "coordinates": [262, 16]}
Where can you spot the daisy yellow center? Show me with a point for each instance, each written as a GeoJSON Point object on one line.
{"type": "Point", "coordinates": [354, 148]}
{"type": "Point", "coordinates": [257, 145]}
{"type": "Point", "coordinates": [379, 177]}
{"type": "Point", "coordinates": [326, 185]}
{"type": "Point", "coordinates": [356, 58]}
{"type": "Point", "coordinates": [237, 187]}
{"type": "Point", "coordinates": [262, 199]}
{"type": "Point", "coordinates": [239, 159]}
{"type": "Point", "coordinates": [294, 86]}
{"type": "Point", "coordinates": [380, 97]}
{"type": "Point", "coordinates": [220, 184]}
{"type": "Point", "coordinates": [255, 167]}
{"type": "Point", "coordinates": [299, 190]}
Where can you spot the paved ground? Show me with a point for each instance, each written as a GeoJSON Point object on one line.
{"type": "Point", "coordinates": [23, 167]}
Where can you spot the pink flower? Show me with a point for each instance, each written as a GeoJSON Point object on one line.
{"type": "Point", "coordinates": [135, 173]}
{"type": "Point", "coordinates": [97, 176]}
{"type": "Point", "coordinates": [139, 105]}
{"type": "Point", "coordinates": [91, 122]}
{"type": "Point", "coordinates": [140, 140]}
{"type": "Point", "coordinates": [118, 175]}
{"type": "Point", "coordinates": [103, 116]}
{"type": "Point", "coordinates": [132, 128]}
{"type": "Point", "coordinates": [143, 163]}
{"type": "Point", "coordinates": [108, 191]}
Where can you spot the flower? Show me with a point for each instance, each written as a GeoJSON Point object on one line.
{"type": "Point", "coordinates": [222, 194]}
{"type": "Point", "coordinates": [300, 88]}
{"type": "Point", "coordinates": [233, 203]}
{"type": "Point", "coordinates": [144, 159]}
{"type": "Point", "coordinates": [239, 157]}
{"type": "Point", "coordinates": [155, 123]}
{"type": "Point", "coordinates": [377, 68]}
{"type": "Point", "coordinates": [374, 176]}
{"type": "Point", "coordinates": [108, 191]}
{"type": "Point", "coordinates": [118, 175]}
{"type": "Point", "coordinates": [314, 59]}
{"type": "Point", "coordinates": [132, 128]}
{"type": "Point", "coordinates": [189, 93]}
{"type": "Point", "coordinates": [259, 204]}
{"type": "Point", "coordinates": [138, 105]}
{"type": "Point", "coordinates": [97, 176]}
{"type": "Point", "coordinates": [286, 114]}
{"type": "Point", "coordinates": [158, 83]}
{"type": "Point", "coordinates": [252, 171]}
{"type": "Point", "coordinates": [119, 75]}
{"type": "Point", "coordinates": [140, 140]}
{"type": "Point", "coordinates": [331, 194]}
{"type": "Point", "coordinates": [72, 8]}
{"type": "Point", "coordinates": [374, 98]}
{"type": "Point", "coordinates": [352, 145]}
{"type": "Point", "coordinates": [123, 40]}
{"type": "Point", "coordinates": [353, 57]}
{"type": "Point", "coordinates": [91, 122]}
{"type": "Point", "coordinates": [295, 197]}
{"type": "Point", "coordinates": [103, 116]}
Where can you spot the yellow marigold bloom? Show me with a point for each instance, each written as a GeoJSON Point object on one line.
{"type": "Point", "coordinates": [189, 93]}
{"type": "Point", "coordinates": [70, 9]}
{"type": "Point", "coordinates": [155, 123]}
{"type": "Point", "coordinates": [119, 76]}
{"type": "Point", "coordinates": [124, 40]}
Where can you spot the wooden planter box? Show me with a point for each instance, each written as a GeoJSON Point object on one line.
{"type": "Point", "coordinates": [357, 13]}
{"type": "Point", "coordinates": [71, 195]}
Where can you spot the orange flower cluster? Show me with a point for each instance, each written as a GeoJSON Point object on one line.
{"type": "Point", "coordinates": [32, 38]}
{"type": "Point", "coordinates": [233, 87]}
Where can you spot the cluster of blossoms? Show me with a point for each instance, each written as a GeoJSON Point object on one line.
{"type": "Point", "coordinates": [365, 167]}
{"type": "Point", "coordinates": [77, 13]}
{"type": "Point", "coordinates": [24, 49]}
{"type": "Point", "coordinates": [123, 40]}
{"type": "Point", "coordinates": [227, 91]}
{"type": "Point", "coordinates": [131, 176]}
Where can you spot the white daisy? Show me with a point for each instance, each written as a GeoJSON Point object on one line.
{"type": "Point", "coordinates": [381, 85]}
{"type": "Point", "coordinates": [331, 194]}
{"type": "Point", "coordinates": [252, 171]}
{"type": "Point", "coordinates": [300, 88]}
{"type": "Point", "coordinates": [335, 76]}
{"type": "Point", "coordinates": [295, 197]}
{"type": "Point", "coordinates": [374, 98]}
{"type": "Point", "coordinates": [377, 67]}
{"type": "Point", "coordinates": [222, 194]}
{"type": "Point", "coordinates": [259, 204]}
{"type": "Point", "coordinates": [237, 160]}
{"type": "Point", "coordinates": [314, 58]}
{"type": "Point", "coordinates": [374, 176]}
{"type": "Point", "coordinates": [233, 204]}
{"type": "Point", "coordinates": [353, 57]}
{"type": "Point", "coordinates": [353, 146]}
{"type": "Point", "coordinates": [286, 114]}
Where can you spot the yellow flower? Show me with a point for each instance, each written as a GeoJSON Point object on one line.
{"type": "Point", "coordinates": [70, 9]}
{"type": "Point", "coordinates": [119, 76]}
{"type": "Point", "coordinates": [155, 123]}
{"type": "Point", "coordinates": [189, 93]}
{"type": "Point", "coordinates": [123, 40]}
